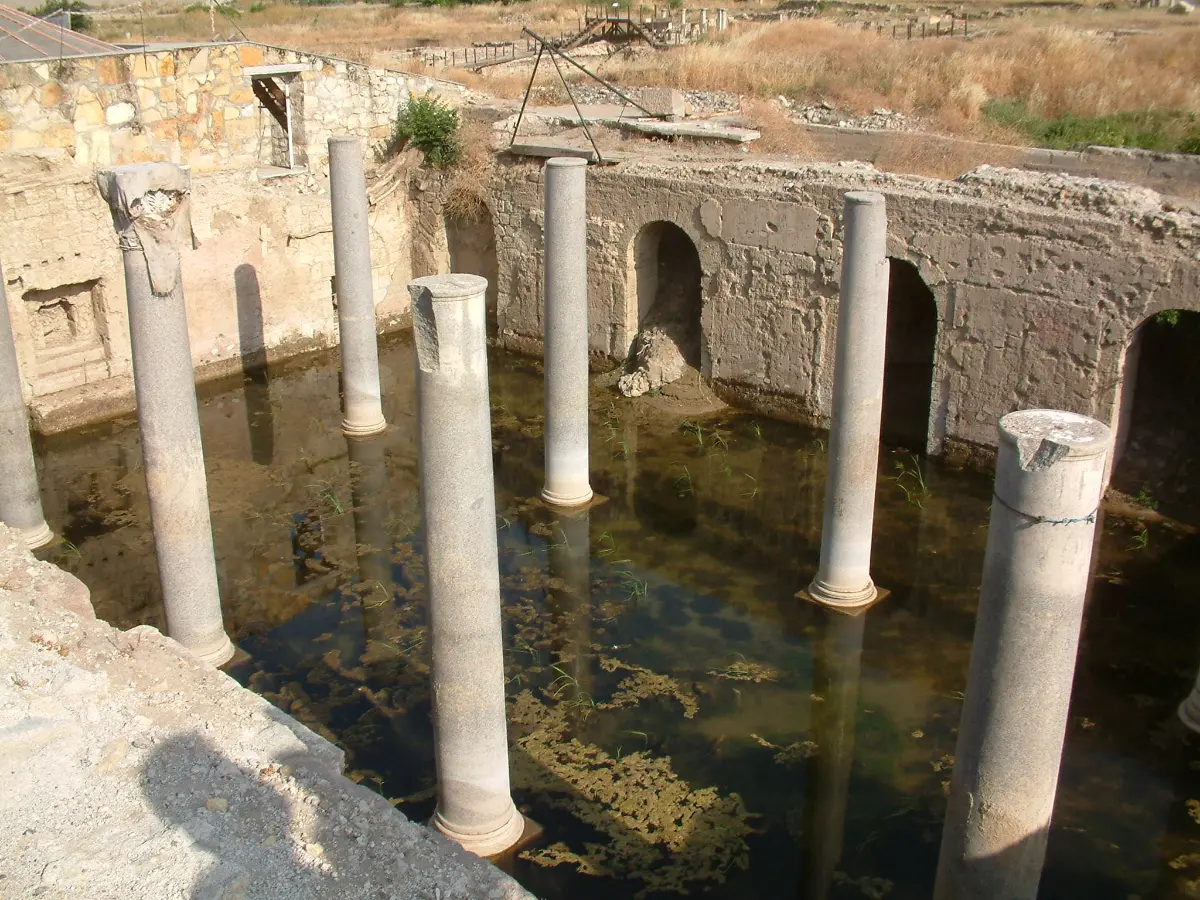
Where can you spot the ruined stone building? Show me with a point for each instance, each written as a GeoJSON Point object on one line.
{"type": "Point", "coordinates": [1009, 289]}
{"type": "Point", "coordinates": [251, 122]}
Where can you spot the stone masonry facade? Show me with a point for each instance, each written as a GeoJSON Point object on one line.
{"type": "Point", "coordinates": [260, 281]}
{"type": "Point", "coordinates": [194, 105]}
{"type": "Point", "coordinates": [1039, 280]}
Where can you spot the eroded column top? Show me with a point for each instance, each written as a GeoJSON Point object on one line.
{"type": "Point", "coordinates": [447, 288]}
{"type": "Point", "coordinates": [566, 162]}
{"type": "Point", "coordinates": [1042, 437]}
{"type": "Point", "coordinates": [125, 186]}
{"type": "Point", "coordinates": [149, 203]}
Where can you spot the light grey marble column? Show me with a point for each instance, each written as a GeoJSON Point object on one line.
{"type": "Point", "coordinates": [149, 205]}
{"type": "Point", "coordinates": [20, 500]}
{"type": "Point", "coordinates": [1049, 480]}
{"type": "Point", "coordinates": [458, 505]}
{"type": "Point", "coordinates": [362, 408]}
{"type": "Point", "coordinates": [566, 333]}
{"type": "Point", "coordinates": [722, 19]}
{"type": "Point", "coordinates": [704, 21]}
{"type": "Point", "coordinates": [844, 576]}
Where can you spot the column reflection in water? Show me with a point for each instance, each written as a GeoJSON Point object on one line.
{"type": "Point", "coordinates": [570, 597]}
{"type": "Point", "coordinates": [369, 496]}
{"type": "Point", "coordinates": [837, 664]}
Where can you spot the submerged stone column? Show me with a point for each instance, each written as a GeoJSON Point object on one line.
{"type": "Point", "coordinates": [369, 499]}
{"type": "Point", "coordinates": [20, 500]}
{"type": "Point", "coordinates": [1189, 709]}
{"type": "Point", "coordinates": [837, 669]}
{"type": "Point", "coordinates": [566, 332]}
{"type": "Point", "coordinates": [570, 596]}
{"type": "Point", "coordinates": [458, 504]}
{"type": "Point", "coordinates": [362, 408]}
{"type": "Point", "coordinates": [844, 576]}
{"type": "Point", "coordinates": [1049, 478]}
{"type": "Point", "coordinates": [150, 213]}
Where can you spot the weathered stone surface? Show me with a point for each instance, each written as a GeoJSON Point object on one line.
{"type": "Point", "coordinates": [144, 775]}
{"type": "Point", "coordinates": [1039, 280]}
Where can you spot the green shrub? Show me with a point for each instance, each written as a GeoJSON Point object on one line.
{"type": "Point", "coordinates": [77, 8]}
{"type": "Point", "coordinates": [258, 6]}
{"type": "Point", "coordinates": [432, 127]}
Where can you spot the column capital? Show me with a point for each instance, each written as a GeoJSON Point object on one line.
{"type": "Point", "coordinates": [150, 210]}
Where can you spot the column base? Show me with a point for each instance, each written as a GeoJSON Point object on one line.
{"type": "Point", "coordinates": [36, 535]}
{"type": "Point", "coordinates": [1189, 712]}
{"type": "Point", "coordinates": [217, 655]}
{"type": "Point", "coordinates": [489, 844]}
{"type": "Point", "coordinates": [359, 430]}
{"type": "Point", "coordinates": [563, 500]}
{"type": "Point", "coordinates": [839, 598]}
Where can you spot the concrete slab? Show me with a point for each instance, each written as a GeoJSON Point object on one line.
{"type": "Point", "coordinates": [702, 130]}
{"type": "Point", "coordinates": [548, 147]}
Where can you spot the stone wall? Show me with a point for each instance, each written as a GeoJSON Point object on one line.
{"type": "Point", "coordinates": [259, 285]}
{"type": "Point", "coordinates": [1039, 280]}
{"type": "Point", "coordinates": [194, 105]}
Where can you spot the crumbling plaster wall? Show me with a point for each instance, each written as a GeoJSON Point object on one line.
{"type": "Point", "coordinates": [1039, 280]}
{"type": "Point", "coordinates": [56, 231]}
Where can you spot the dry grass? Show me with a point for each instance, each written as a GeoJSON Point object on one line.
{"type": "Point", "coordinates": [466, 194]}
{"type": "Point", "coordinates": [779, 133]}
{"type": "Point", "coordinates": [1052, 70]}
{"type": "Point", "coordinates": [355, 32]}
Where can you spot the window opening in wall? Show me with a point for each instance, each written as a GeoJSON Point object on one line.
{"type": "Point", "coordinates": [278, 97]}
{"type": "Point", "coordinates": [908, 359]}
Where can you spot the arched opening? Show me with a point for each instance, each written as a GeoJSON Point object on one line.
{"type": "Point", "coordinates": [667, 276]}
{"type": "Point", "coordinates": [471, 243]}
{"type": "Point", "coordinates": [908, 361]}
{"type": "Point", "coordinates": [1156, 456]}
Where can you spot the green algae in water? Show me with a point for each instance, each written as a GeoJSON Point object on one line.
{"type": "Point", "coordinates": [675, 726]}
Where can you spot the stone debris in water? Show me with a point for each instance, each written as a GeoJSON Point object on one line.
{"type": "Point", "coordinates": [655, 360]}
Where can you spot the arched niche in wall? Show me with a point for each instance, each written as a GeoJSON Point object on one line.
{"type": "Point", "coordinates": [471, 244]}
{"type": "Point", "coordinates": [1156, 451]}
{"type": "Point", "coordinates": [666, 280]}
{"type": "Point", "coordinates": [912, 325]}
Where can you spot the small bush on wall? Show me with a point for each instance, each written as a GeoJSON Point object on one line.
{"type": "Point", "coordinates": [432, 127]}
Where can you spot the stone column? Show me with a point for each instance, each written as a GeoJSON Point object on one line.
{"type": "Point", "coordinates": [458, 505]}
{"type": "Point", "coordinates": [1049, 479]}
{"type": "Point", "coordinates": [844, 576]}
{"type": "Point", "coordinates": [361, 405]}
{"type": "Point", "coordinates": [566, 332]}
{"type": "Point", "coordinates": [704, 21]}
{"type": "Point", "coordinates": [722, 19]}
{"type": "Point", "coordinates": [837, 667]}
{"type": "Point", "coordinates": [150, 213]}
{"type": "Point", "coordinates": [20, 501]}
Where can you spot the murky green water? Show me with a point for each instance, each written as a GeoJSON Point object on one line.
{"type": "Point", "coordinates": [679, 718]}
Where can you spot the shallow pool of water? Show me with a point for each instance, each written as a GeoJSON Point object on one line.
{"type": "Point", "coordinates": [679, 719]}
